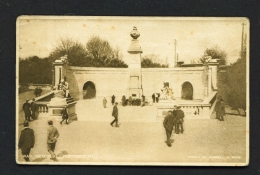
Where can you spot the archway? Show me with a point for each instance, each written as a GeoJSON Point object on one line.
{"type": "Point", "coordinates": [187, 91]}
{"type": "Point", "coordinates": [89, 90]}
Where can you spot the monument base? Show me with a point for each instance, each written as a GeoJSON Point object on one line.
{"type": "Point", "coordinates": [164, 106]}
{"type": "Point", "coordinates": [135, 93]}
{"type": "Point", "coordinates": [57, 104]}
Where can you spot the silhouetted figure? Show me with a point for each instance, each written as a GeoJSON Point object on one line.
{"type": "Point", "coordinates": [113, 100]}
{"type": "Point", "coordinates": [115, 114]}
{"type": "Point", "coordinates": [65, 115]}
{"type": "Point", "coordinates": [105, 102]}
{"type": "Point", "coordinates": [26, 141]}
{"type": "Point", "coordinates": [27, 111]}
{"type": "Point", "coordinates": [153, 97]}
{"type": "Point", "coordinates": [33, 109]}
{"type": "Point", "coordinates": [168, 124]}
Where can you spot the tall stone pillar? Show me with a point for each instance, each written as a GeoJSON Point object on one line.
{"type": "Point", "coordinates": [58, 72]}
{"type": "Point", "coordinates": [134, 66]}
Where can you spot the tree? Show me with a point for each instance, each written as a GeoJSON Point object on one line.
{"type": "Point", "coordinates": [75, 51]}
{"type": "Point", "coordinates": [35, 70]}
{"type": "Point", "coordinates": [99, 49]}
{"type": "Point", "coordinates": [215, 53]}
{"type": "Point", "coordinates": [236, 79]}
{"type": "Point", "coordinates": [102, 54]}
{"type": "Point", "coordinates": [152, 61]}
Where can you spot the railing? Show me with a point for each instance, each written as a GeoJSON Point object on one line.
{"type": "Point", "coordinates": [42, 106]}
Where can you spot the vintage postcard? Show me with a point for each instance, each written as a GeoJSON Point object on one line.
{"type": "Point", "coordinates": [132, 91]}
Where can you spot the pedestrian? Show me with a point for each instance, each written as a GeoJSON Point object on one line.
{"type": "Point", "coordinates": [123, 100]}
{"type": "Point", "coordinates": [179, 120]}
{"type": "Point", "coordinates": [113, 100]}
{"type": "Point", "coordinates": [130, 101]}
{"type": "Point", "coordinates": [143, 101]}
{"type": "Point", "coordinates": [104, 102]}
{"type": "Point", "coordinates": [64, 114]}
{"type": "Point", "coordinates": [153, 97]}
{"type": "Point", "coordinates": [39, 91]}
{"type": "Point", "coordinates": [217, 107]}
{"type": "Point", "coordinates": [157, 97]}
{"type": "Point", "coordinates": [221, 110]}
{"type": "Point", "coordinates": [52, 136]}
{"type": "Point", "coordinates": [174, 113]}
{"type": "Point", "coordinates": [168, 125]}
{"type": "Point", "coordinates": [26, 141]}
{"type": "Point", "coordinates": [33, 109]}
{"type": "Point", "coordinates": [36, 91]}
{"type": "Point", "coordinates": [115, 114]}
{"type": "Point", "coordinates": [27, 111]}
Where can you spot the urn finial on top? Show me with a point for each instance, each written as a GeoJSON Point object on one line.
{"type": "Point", "coordinates": [134, 33]}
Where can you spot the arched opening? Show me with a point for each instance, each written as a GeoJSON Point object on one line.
{"type": "Point", "coordinates": [187, 91]}
{"type": "Point", "coordinates": [89, 90]}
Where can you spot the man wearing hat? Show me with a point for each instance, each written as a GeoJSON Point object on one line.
{"type": "Point", "coordinates": [115, 114]}
{"type": "Point", "coordinates": [26, 109]}
{"type": "Point", "coordinates": [26, 141]}
{"type": "Point", "coordinates": [179, 119]}
{"type": "Point", "coordinates": [65, 115]}
{"type": "Point", "coordinates": [52, 137]}
{"type": "Point", "coordinates": [168, 125]}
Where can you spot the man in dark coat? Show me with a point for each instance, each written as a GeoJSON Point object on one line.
{"type": "Point", "coordinates": [26, 141]}
{"type": "Point", "coordinates": [179, 120]}
{"type": "Point", "coordinates": [115, 114]}
{"type": "Point", "coordinates": [168, 125]}
{"type": "Point", "coordinates": [65, 115]}
{"type": "Point", "coordinates": [113, 100]}
{"type": "Point", "coordinates": [217, 107]}
{"type": "Point", "coordinates": [33, 109]}
{"type": "Point", "coordinates": [52, 137]}
{"type": "Point", "coordinates": [27, 111]}
{"type": "Point", "coordinates": [221, 110]}
{"type": "Point", "coordinates": [174, 113]}
{"type": "Point", "coordinates": [153, 97]}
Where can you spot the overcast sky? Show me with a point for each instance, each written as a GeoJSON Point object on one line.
{"type": "Point", "coordinates": [39, 35]}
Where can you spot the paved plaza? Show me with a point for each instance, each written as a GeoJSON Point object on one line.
{"type": "Point", "coordinates": [139, 139]}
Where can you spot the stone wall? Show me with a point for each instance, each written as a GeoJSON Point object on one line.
{"type": "Point", "coordinates": [115, 81]}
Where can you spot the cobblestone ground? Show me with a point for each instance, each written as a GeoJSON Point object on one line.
{"type": "Point", "coordinates": [139, 139]}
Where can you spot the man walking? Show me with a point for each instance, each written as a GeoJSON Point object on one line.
{"type": "Point", "coordinates": [179, 120]}
{"type": "Point", "coordinates": [27, 111]}
{"type": "Point", "coordinates": [115, 114]}
{"type": "Point", "coordinates": [168, 125]}
{"type": "Point", "coordinates": [52, 136]}
{"type": "Point", "coordinates": [65, 115]}
{"type": "Point", "coordinates": [26, 141]}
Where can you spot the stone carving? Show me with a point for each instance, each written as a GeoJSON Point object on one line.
{"type": "Point", "coordinates": [134, 33]}
{"type": "Point", "coordinates": [167, 93]}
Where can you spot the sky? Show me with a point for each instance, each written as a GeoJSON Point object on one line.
{"type": "Point", "coordinates": [38, 35]}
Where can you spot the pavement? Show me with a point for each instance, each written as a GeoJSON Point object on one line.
{"type": "Point", "coordinates": [140, 139]}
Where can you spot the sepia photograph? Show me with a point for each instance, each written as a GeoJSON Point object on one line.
{"type": "Point", "coordinates": [101, 90]}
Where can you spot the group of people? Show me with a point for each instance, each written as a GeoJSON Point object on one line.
{"type": "Point", "coordinates": [37, 91]}
{"type": "Point", "coordinates": [173, 120]}
{"type": "Point", "coordinates": [156, 97]}
{"type": "Point", "coordinates": [27, 140]}
{"type": "Point", "coordinates": [30, 110]}
{"type": "Point", "coordinates": [220, 109]}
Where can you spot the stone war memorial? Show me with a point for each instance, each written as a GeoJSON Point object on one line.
{"type": "Point", "coordinates": [145, 94]}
